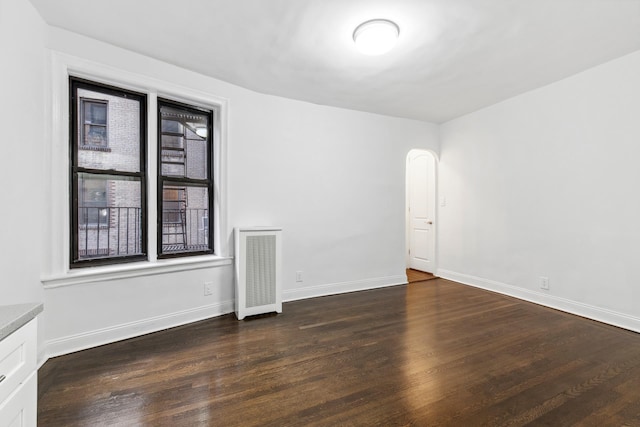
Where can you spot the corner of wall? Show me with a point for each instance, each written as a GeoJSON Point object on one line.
{"type": "Point", "coordinates": [610, 317]}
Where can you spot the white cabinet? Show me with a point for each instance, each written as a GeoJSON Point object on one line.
{"type": "Point", "coordinates": [18, 388]}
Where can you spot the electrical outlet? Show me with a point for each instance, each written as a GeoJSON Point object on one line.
{"type": "Point", "coordinates": [208, 288]}
{"type": "Point", "coordinates": [298, 276]}
{"type": "Point", "coordinates": [544, 283]}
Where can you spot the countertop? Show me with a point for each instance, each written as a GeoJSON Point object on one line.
{"type": "Point", "coordinates": [12, 317]}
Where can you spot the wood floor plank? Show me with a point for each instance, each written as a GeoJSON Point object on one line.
{"type": "Point", "coordinates": [418, 276]}
{"type": "Point", "coordinates": [429, 353]}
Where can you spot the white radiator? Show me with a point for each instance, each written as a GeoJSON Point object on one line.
{"type": "Point", "coordinates": [258, 262]}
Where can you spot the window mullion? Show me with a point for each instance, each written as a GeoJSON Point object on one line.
{"type": "Point", "coordinates": [108, 172]}
{"type": "Point", "coordinates": [152, 174]}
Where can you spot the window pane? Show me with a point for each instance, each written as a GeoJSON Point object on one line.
{"type": "Point", "coordinates": [171, 141]}
{"type": "Point", "coordinates": [184, 141]}
{"type": "Point", "coordinates": [92, 203]}
{"type": "Point", "coordinates": [109, 131]}
{"type": "Point", "coordinates": [172, 126]}
{"type": "Point", "coordinates": [109, 216]}
{"type": "Point", "coordinates": [185, 218]}
{"type": "Point", "coordinates": [95, 135]}
{"type": "Point", "coordinates": [95, 112]}
{"type": "Point", "coordinates": [173, 163]}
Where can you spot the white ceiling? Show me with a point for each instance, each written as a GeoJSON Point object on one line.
{"type": "Point", "coordinates": [453, 56]}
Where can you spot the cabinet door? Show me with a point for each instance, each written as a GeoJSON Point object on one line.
{"type": "Point", "coordinates": [17, 358]}
{"type": "Point", "coordinates": [21, 408]}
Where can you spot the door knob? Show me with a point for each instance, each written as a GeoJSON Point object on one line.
{"type": "Point", "coordinates": [429, 222]}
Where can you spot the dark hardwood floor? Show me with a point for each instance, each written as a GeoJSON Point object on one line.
{"type": "Point", "coordinates": [418, 276]}
{"type": "Point", "coordinates": [432, 353]}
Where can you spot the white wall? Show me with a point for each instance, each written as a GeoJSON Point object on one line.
{"type": "Point", "coordinates": [332, 178]}
{"type": "Point", "coordinates": [546, 184]}
{"type": "Point", "coordinates": [21, 112]}
{"type": "Point", "coordinates": [542, 184]}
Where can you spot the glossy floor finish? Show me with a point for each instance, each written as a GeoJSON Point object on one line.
{"type": "Point", "coordinates": [418, 276]}
{"type": "Point", "coordinates": [426, 354]}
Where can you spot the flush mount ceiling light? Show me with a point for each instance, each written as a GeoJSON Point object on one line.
{"type": "Point", "coordinates": [376, 36]}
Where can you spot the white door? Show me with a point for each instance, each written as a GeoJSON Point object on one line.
{"type": "Point", "coordinates": [422, 187]}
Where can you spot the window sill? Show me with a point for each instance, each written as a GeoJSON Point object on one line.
{"type": "Point", "coordinates": [122, 271]}
{"type": "Point", "coordinates": [95, 148]}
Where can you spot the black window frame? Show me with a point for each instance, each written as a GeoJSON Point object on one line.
{"type": "Point", "coordinates": [75, 144]}
{"type": "Point", "coordinates": [184, 181]}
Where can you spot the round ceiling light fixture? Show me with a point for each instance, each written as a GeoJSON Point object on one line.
{"type": "Point", "coordinates": [376, 36]}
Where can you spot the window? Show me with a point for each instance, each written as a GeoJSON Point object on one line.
{"type": "Point", "coordinates": [108, 178]}
{"type": "Point", "coordinates": [94, 123]}
{"type": "Point", "coordinates": [185, 184]}
{"type": "Point", "coordinates": [92, 204]}
{"type": "Point", "coordinates": [108, 202]}
{"type": "Point", "coordinates": [76, 253]}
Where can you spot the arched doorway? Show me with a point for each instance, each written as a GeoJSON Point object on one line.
{"type": "Point", "coordinates": [421, 210]}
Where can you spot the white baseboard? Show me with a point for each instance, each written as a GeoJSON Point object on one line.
{"type": "Point", "coordinates": [72, 343]}
{"type": "Point", "coordinates": [585, 310]}
{"type": "Point", "coordinates": [342, 287]}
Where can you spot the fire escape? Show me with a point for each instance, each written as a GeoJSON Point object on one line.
{"type": "Point", "coordinates": [174, 209]}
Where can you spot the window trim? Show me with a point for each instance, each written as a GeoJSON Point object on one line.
{"type": "Point", "coordinates": [56, 271]}
{"type": "Point", "coordinates": [76, 130]}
